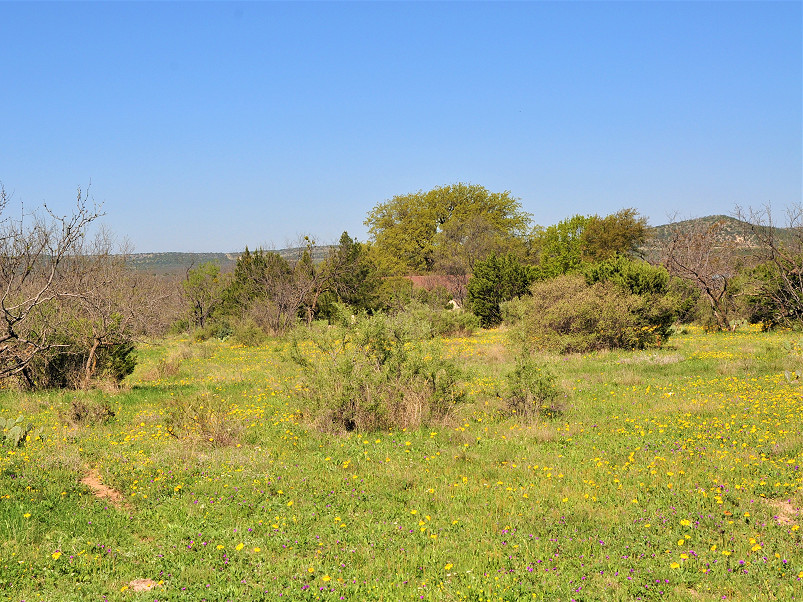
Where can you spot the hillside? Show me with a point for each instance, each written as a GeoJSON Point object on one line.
{"type": "Point", "coordinates": [179, 263]}
{"type": "Point", "coordinates": [734, 231]}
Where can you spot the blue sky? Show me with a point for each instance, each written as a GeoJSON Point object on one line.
{"type": "Point", "coordinates": [211, 126]}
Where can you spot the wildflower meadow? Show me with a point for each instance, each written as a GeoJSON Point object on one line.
{"type": "Point", "coordinates": [668, 474]}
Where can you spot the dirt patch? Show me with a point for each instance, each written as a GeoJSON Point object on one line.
{"type": "Point", "coordinates": [101, 491]}
{"type": "Point", "coordinates": [787, 512]}
{"type": "Point", "coordinates": [142, 585]}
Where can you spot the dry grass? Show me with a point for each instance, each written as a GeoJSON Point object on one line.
{"type": "Point", "coordinates": [202, 417]}
{"type": "Point", "coordinates": [657, 359]}
{"type": "Point", "coordinates": [788, 511]}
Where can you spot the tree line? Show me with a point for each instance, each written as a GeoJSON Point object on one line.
{"type": "Point", "coordinates": [71, 311]}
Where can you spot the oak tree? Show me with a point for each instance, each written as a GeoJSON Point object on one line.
{"type": "Point", "coordinates": [410, 232]}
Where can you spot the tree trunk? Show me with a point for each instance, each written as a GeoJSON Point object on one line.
{"type": "Point", "coordinates": [91, 362]}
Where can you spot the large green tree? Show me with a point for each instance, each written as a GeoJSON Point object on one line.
{"type": "Point", "coordinates": [620, 233]}
{"type": "Point", "coordinates": [581, 239]}
{"type": "Point", "coordinates": [409, 233]}
{"type": "Point", "coordinates": [560, 247]}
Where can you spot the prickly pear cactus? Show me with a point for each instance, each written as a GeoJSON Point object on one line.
{"type": "Point", "coordinates": [15, 432]}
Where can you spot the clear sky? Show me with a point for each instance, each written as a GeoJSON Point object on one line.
{"type": "Point", "coordinates": [211, 126]}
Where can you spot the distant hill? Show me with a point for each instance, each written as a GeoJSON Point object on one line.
{"type": "Point", "coordinates": [735, 231]}
{"type": "Point", "coordinates": [179, 263]}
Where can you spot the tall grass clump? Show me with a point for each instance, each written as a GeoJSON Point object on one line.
{"type": "Point", "coordinates": [373, 372]}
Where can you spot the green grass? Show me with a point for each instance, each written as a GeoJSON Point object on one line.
{"type": "Point", "coordinates": [671, 475]}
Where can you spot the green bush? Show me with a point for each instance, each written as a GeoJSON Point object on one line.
{"type": "Point", "coordinates": [373, 372]}
{"type": "Point", "coordinates": [394, 293]}
{"type": "Point", "coordinates": [65, 367]}
{"type": "Point", "coordinates": [636, 277]}
{"type": "Point", "coordinates": [218, 329]}
{"type": "Point", "coordinates": [442, 322]}
{"type": "Point", "coordinates": [248, 333]}
{"type": "Point", "coordinates": [656, 308]}
{"type": "Point", "coordinates": [514, 311]}
{"type": "Point", "coordinates": [567, 315]}
{"type": "Point", "coordinates": [687, 299]}
{"type": "Point", "coordinates": [497, 279]}
{"type": "Point", "coordinates": [532, 390]}
{"type": "Point", "coordinates": [436, 298]}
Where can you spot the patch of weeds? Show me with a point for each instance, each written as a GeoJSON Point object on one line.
{"type": "Point", "coordinates": [203, 417]}
{"type": "Point", "coordinates": [87, 412]}
{"type": "Point", "coordinates": [166, 367]}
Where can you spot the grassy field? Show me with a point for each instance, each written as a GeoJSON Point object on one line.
{"type": "Point", "coordinates": [670, 475]}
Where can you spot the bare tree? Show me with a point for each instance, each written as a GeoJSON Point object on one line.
{"type": "Point", "coordinates": [701, 253]}
{"type": "Point", "coordinates": [155, 302]}
{"type": "Point", "coordinates": [780, 284]}
{"type": "Point", "coordinates": [34, 250]}
{"type": "Point", "coordinates": [287, 289]}
{"type": "Point", "coordinates": [109, 304]}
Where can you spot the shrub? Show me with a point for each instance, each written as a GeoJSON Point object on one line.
{"type": "Point", "coordinates": [436, 298]}
{"type": "Point", "coordinates": [65, 367]}
{"type": "Point", "coordinates": [636, 277]}
{"type": "Point", "coordinates": [687, 298]}
{"type": "Point", "coordinates": [656, 308]}
{"type": "Point", "coordinates": [374, 373]}
{"type": "Point", "coordinates": [248, 333]}
{"type": "Point", "coordinates": [514, 311]}
{"type": "Point", "coordinates": [568, 315]}
{"type": "Point", "coordinates": [217, 329]}
{"type": "Point", "coordinates": [394, 293]}
{"type": "Point", "coordinates": [532, 390]}
{"type": "Point", "coordinates": [117, 361]}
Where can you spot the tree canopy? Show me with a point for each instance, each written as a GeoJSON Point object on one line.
{"type": "Point", "coordinates": [410, 232]}
{"type": "Point", "coordinates": [620, 233]}
{"type": "Point", "coordinates": [564, 247]}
